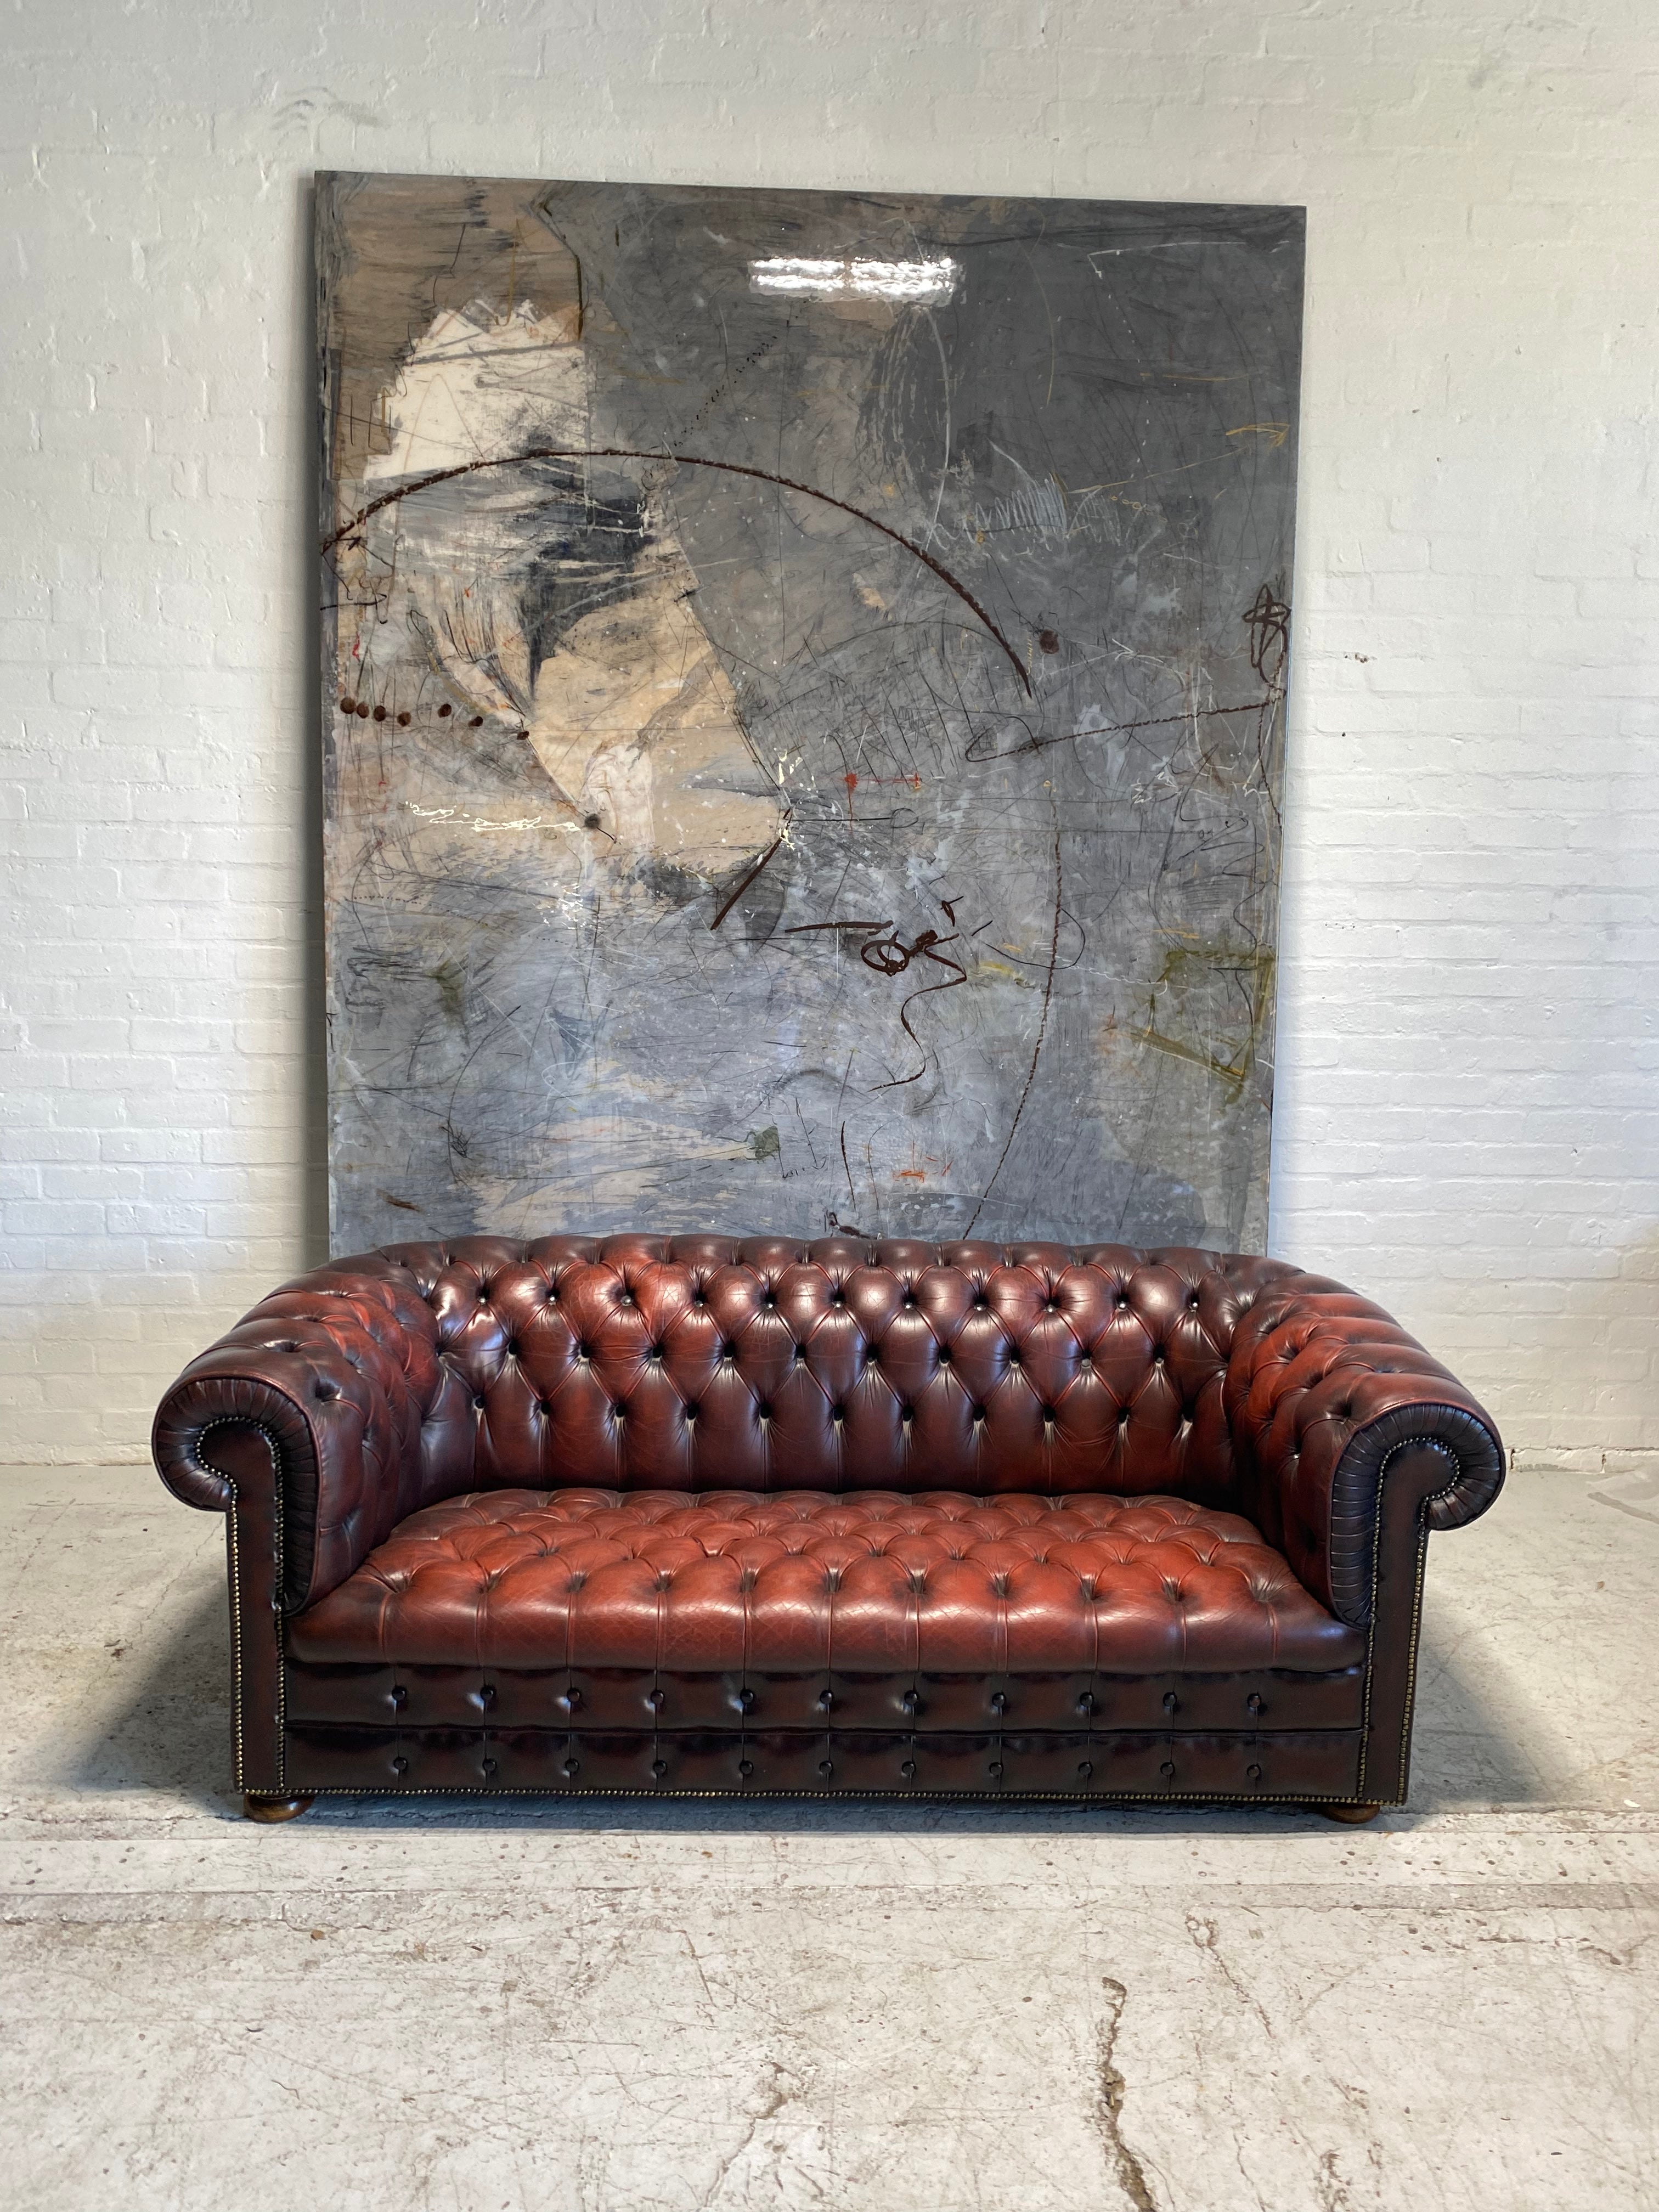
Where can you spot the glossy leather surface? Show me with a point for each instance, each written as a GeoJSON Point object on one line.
{"type": "Point", "coordinates": [601, 1700]}
{"type": "Point", "coordinates": [1149, 1523]}
{"type": "Point", "coordinates": [394, 1379]}
{"type": "Point", "coordinates": [1287, 1764]}
{"type": "Point", "coordinates": [871, 1582]}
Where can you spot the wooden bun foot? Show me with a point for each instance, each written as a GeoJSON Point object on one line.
{"type": "Point", "coordinates": [274, 1809]}
{"type": "Point", "coordinates": [1353, 1816]}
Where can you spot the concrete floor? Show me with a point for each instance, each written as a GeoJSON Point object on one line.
{"type": "Point", "coordinates": [614, 2009]}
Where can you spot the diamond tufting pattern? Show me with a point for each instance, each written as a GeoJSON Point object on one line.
{"type": "Point", "coordinates": [874, 1581]}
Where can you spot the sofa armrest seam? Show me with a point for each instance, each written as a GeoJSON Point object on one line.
{"type": "Point", "coordinates": [1350, 1478]}
{"type": "Point", "coordinates": [237, 1608]}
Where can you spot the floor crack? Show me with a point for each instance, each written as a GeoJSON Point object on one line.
{"type": "Point", "coordinates": [1130, 2173]}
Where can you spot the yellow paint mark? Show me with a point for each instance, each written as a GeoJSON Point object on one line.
{"type": "Point", "coordinates": [1275, 433]}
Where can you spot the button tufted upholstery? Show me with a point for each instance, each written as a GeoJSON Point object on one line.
{"type": "Point", "coordinates": [875, 1581]}
{"type": "Point", "coordinates": [726, 1458]}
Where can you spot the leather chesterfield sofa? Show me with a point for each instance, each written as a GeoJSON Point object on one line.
{"type": "Point", "coordinates": [691, 1515]}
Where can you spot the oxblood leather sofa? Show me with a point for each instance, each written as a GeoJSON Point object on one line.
{"type": "Point", "coordinates": [689, 1515]}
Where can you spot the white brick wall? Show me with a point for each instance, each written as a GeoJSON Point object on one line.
{"type": "Point", "coordinates": [1467, 1123]}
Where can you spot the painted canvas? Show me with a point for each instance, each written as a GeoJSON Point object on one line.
{"type": "Point", "coordinates": [804, 698]}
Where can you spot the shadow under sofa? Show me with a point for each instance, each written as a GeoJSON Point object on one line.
{"type": "Point", "coordinates": [699, 1515]}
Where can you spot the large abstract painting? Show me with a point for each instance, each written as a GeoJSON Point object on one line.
{"type": "Point", "coordinates": [804, 693]}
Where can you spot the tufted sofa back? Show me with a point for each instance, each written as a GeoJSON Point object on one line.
{"type": "Point", "coordinates": [696, 1363]}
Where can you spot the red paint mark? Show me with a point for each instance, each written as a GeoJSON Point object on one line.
{"type": "Point", "coordinates": [852, 786]}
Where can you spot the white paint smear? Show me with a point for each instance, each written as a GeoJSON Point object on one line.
{"type": "Point", "coordinates": [923, 283]}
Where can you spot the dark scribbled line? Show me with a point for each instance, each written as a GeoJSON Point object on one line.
{"type": "Point", "coordinates": [1035, 745]}
{"type": "Point", "coordinates": [748, 880]}
{"type": "Point", "coordinates": [961, 976]}
{"type": "Point", "coordinates": [1043, 1026]}
{"type": "Point", "coordinates": [806, 928]}
{"type": "Point", "coordinates": [690, 461]}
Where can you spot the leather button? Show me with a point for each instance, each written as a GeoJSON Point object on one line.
{"type": "Point", "coordinates": [487, 1693]}
{"type": "Point", "coordinates": [1168, 1769]}
{"type": "Point", "coordinates": [571, 1766]}
{"type": "Point", "coordinates": [399, 1695]}
{"type": "Point", "coordinates": [489, 1766]}
{"type": "Point", "coordinates": [745, 1698]}
{"type": "Point", "coordinates": [1086, 1704]}
{"type": "Point", "coordinates": [1085, 1768]}
{"type": "Point", "coordinates": [660, 1767]}
{"type": "Point", "coordinates": [513, 1560]}
{"type": "Point", "coordinates": [908, 1770]}
{"type": "Point", "coordinates": [1253, 1773]}
{"type": "Point", "coordinates": [826, 1767]}
{"type": "Point", "coordinates": [995, 1770]}
{"type": "Point", "coordinates": [998, 1701]}
{"type": "Point", "coordinates": [400, 1765]}
{"type": "Point", "coordinates": [478, 1403]}
{"type": "Point", "coordinates": [1171, 1703]}
{"type": "Point", "coordinates": [745, 1766]}
{"type": "Point", "coordinates": [1253, 1705]}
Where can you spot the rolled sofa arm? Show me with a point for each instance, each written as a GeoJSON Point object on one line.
{"type": "Point", "coordinates": [1323, 1392]}
{"type": "Point", "coordinates": [338, 1369]}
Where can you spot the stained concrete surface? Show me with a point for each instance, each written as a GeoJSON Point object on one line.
{"type": "Point", "coordinates": [611, 2007]}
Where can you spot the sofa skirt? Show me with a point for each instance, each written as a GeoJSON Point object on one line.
{"type": "Point", "coordinates": [1102, 1764]}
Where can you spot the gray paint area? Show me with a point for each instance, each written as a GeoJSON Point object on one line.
{"type": "Point", "coordinates": [804, 702]}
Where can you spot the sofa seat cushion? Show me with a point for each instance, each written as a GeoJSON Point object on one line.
{"type": "Point", "coordinates": [794, 1581]}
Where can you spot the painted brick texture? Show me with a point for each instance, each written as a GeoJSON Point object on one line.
{"type": "Point", "coordinates": [1468, 1115]}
